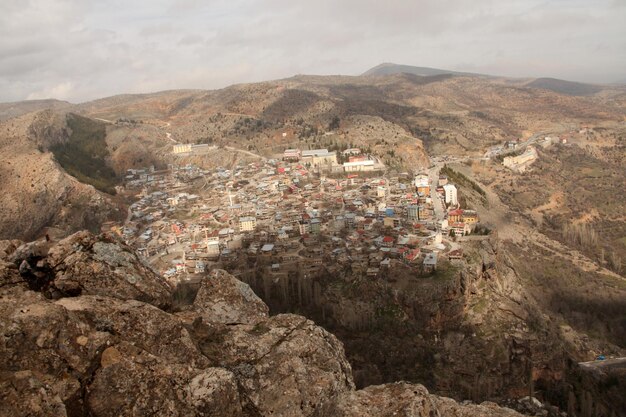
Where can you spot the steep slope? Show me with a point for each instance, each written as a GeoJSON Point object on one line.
{"type": "Point", "coordinates": [88, 332]}
{"type": "Point", "coordinates": [37, 193]}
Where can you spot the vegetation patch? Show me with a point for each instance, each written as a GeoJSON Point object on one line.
{"type": "Point", "coordinates": [84, 155]}
{"type": "Point", "coordinates": [462, 180]}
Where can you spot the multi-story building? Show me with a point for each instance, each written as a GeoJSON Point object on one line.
{"type": "Point", "coordinates": [450, 194]}
{"type": "Point", "coordinates": [247, 224]}
{"type": "Point", "coordinates": [292, 155]}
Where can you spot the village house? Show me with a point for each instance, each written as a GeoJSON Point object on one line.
{"type": "Point", "coordinates": [430, 262]}
{"type": "Point", "coordinates": [247, 224]}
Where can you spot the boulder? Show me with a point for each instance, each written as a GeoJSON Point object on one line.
{"type": "Point", "coordinates": [84, 264]}
{"type": "Point", "coordinates": [141, 324]}
{"type": "Point", "coordinates": [285, 365]}
{"type": "Point", "coordinates": [132, 382]}
{"type": "Point", "coordinates": [222, 298]}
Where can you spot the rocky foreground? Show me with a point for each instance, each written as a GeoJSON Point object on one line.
{"type": "Point", "coordinates": [89, 330]}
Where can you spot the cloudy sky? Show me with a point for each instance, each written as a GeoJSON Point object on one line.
{"type": "Point", "coordinates": [79, 50]}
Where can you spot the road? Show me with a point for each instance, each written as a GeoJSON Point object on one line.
{"type": "Point", "coordinates": [230, 148]}
{"type": "Point", "coordinates": [437, 202]}
{"type": "Point", "coordinates": [605, 365]}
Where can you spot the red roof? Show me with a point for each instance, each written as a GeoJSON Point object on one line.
{"type": "Point", "coordinates": [387, 239]}
{"type": "Point", "coordinates": [456, 212]}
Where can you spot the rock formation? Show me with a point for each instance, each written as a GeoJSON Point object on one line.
{"type": "Point", "coordinates": [88, 330]}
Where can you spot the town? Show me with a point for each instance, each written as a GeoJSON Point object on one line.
{"type": "Point", "coordinates": [301, 212]}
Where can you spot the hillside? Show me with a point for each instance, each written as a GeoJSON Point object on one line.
{"type": "Point", "coordinates": [403, 119]}
{"type": "Point", "coordinates": [37, 192]}
{"type": "Point", "coordinates": [91, 331]}
{"type": "Point", "coordinates": [15, 109]}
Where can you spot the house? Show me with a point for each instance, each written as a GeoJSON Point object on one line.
{"type": "Point", "coordinates": [304, 227]}
{"type": "Point", "coordinates": [213, 246]}
{"type": "Point", "coordinates": [247, 223]}
{"type": "Point", "coordinates": [267, 249]}
{"type": "Point", "coordinates": [430, 262]}
{"type": "Point", "coordinates": [460, 229]}
{"type": "Point", "coordinates": [470, 217]}
{"type": "Point", "coordinates": [372, 272]}
{"type": "Point", "coordinates": [422, 183]}
{"type": "Point", "coordinates": [316, 226]}
{"type": "Point", "coordinates": [455, 216]}
{"type": "Point", "coordinates": [455, 254]}
{"type": "Point", "coordinates": [391, 222]}
{"type": "Point", "coordinates": [387, 241]}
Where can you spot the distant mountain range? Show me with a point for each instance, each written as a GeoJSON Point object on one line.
{"type": "Point", "coordinates": [389, 68]}
{"type": "Point", "coordinates": [571, 88]}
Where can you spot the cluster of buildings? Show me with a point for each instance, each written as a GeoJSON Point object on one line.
{"type": "Point", "coordinates": [285, 216]}
{"type": "Point", "coordinates": [323, 160]}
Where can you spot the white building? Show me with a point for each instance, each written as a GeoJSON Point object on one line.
{"type": "Point", "coordinates": [317, 157]}
{"type": "Point", "coordinates": [367, 165]}
{"type": "Point", "coordinates": [451, 194]}
{"type": "Point", "coordinates": [421, 181]}
{"type": "Point", "coordinates": [182, 148]}
{"type": "Point", "coordinates": [381, 191]}
{"type": "Point", "coordinates": [247, 224]}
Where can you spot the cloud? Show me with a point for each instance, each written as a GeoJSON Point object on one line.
{"type": "Point", "coordinates": [81, 50]}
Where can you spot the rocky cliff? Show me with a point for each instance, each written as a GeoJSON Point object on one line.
{"type": "Point", "coordinates": [89, 330]}
{"type": "Point", "coordinates": [36, 191]}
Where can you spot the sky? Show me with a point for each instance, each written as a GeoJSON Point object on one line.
{"type": "Point", "coordinates": [80, 50]}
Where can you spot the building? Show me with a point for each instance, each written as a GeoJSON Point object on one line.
{"type": "Point", "coordinates": [450, 194]}
{"type": "Point", "coordinates": [521, 162]}
{"type": "Point", "coordinates": [381, 191]}
{"type": "Point", "coordinates": [430, 262]}
{"type": "Point", "coordinates": [316, 226]}
{"type": "Point", "coordinates": [422, 183]}
{"type": "Point", "coordinates": [304, 227]}
{"type": "Point", "coordinates": [455, 216]}
{"type": "Point", "coordinates": [470, 217]}
{"type": "Point", "coordinates": [319, 157]}
{"type": "Point", "coordinates": [247, 224]}
{"type": "Point", "coordinates": [459, 229]}
{"type": "Point", "coordinates": [357, 166]}
{"type": "Point", "coordinates": [182, 148]}
{"type": "Point", "coordinates": [213, 246]}
{"type": "Point", "coordinates": [413, 213]}
{"type": "Point", "coordinates": [293, 155]}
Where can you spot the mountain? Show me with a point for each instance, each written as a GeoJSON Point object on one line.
{"type": "Point", "coordinates": [389, 68]}
{"type": "Point", "coordinates": [9, 110]}
{"type": "Point", "coordinates": [553, 84]}
{"type": "Point", "coordinates": [565, 87]}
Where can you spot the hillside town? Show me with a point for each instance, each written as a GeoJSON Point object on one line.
{"type": "Point", "coordinates": [295, 214]}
